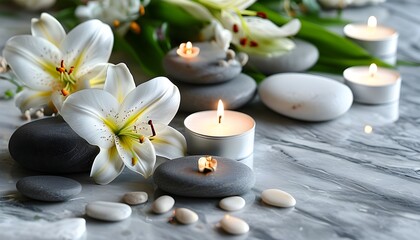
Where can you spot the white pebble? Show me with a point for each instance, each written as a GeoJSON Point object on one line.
{"type": "Point", "coordinates": [234, 225]}
{"type": "Point", "coordinates": [163, 204]}
{"type": "Point", "coordinates": [278, 198]}
{"type": "Point", "coordinates": [108, 211]}
{"type": "Point", "coordinates": [185, 216]}
{"type": "Point", "coordinates": [234, 203]}
{"type": "Point", "coordinates": [135, 198]}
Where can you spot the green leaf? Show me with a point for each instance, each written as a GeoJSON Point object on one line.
{"type": "Point", "coordinates": [146, 49]}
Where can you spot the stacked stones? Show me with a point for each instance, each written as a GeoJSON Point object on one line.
{"type": "Point", "coordinates": [211, 75]}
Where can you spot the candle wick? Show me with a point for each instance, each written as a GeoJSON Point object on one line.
{"type": "Point", "coordinates": [152, 127]}
{"type": "Point", "coordinates": [220, 119]}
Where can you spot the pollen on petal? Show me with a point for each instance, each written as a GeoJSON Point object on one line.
{"type": "Point", "coordinates": [243, 41]}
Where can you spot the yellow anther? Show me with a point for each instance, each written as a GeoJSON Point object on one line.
{"type": "Point", "coordinates": [135, 27]}
{"type": "Point", "coordinates": [65, 92]}
{"type": "Point", "coordinates": [116, 23]}
{"type": "Point", "coordinates": [142, 10]}
{"type": "Point", "coordinates": [134, 161]}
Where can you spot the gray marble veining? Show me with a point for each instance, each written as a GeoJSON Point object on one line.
{"type": "Point", "coordinates": [348, 184]}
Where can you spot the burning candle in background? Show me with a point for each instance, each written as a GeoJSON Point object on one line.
{"type": "Point", "coordinates": [373, 85]}
{"type": "Point", "coordinates": [187, 50]}
{"type": "Point", "coordinates": [378, 40]}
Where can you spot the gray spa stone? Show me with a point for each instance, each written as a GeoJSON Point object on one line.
{"type": "Point", "coordinates": [48, 188]}
{"type": "Point", "coordinates": [181, 177]}
{"type": "Point", "coordinates": [234, 94]}
{"type": "Point", "coordinates": [300, 59]}
{"type": "Point", "coordinates": [49, 145]}
{"type": "Point", "coordinates": [210, 66]}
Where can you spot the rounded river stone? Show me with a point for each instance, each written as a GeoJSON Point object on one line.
{"type": "Point", "coordinates": [299, 59]}
{"type": "Point", "coordinates": [48, 188]}
{"type": "Point", "coordinates": [181, 177]}
{"type": "Point", "coordinates": [305, 96]}
{"type": "Point", "coordinates": [49, 145]}
{"type": "Point", "coordinates": [206, 68]}
{"type": "Point", "coordinates": [234, 94]}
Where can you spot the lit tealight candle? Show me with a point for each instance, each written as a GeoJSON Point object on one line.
{"type": "Point", "coordinates": [373, 85]}
{"type": "Point", "coordinates": [220, 133]}
{"type": "Point", "coordinates": [187, 50]}
{"type": "Point", "coordinates": [378, 40]}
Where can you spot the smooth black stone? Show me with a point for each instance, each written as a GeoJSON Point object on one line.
{"type": "Point", "coordinates": [48, 188]}
{"type": "Point", "coordinates": [181, 177]}
{"type": "Point", "coordinates": [234, 94]}
{"type": "Point", "coordinates": [49, 145]}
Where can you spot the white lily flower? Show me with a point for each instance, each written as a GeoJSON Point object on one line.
{"type": "Point", "coordinates": [235, 5]}
{"type": "Point", "coordinates": [50, 63]}
{"type": "Point", "coordinates": [261, 36]}
{"type": "Point", "coordinates": [112, 12]}
{"type": "Point", "coordinates": [128, 124]}
{"type": "Point", "coordinates": [35, 4]}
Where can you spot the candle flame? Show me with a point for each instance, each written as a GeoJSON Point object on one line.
{"type": "Point", "coordinates": [372, 22]}
{"type": "Point", "coordinates": [220, 110]}
{"type": "Point", "coordinates": [187, 50]}
{"type": "Point", "coordinates": [373, 69]}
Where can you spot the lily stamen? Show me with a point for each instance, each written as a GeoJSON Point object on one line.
{"type": "Point", "coordinates": [152, 127]}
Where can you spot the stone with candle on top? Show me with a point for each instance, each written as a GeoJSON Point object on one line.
{"type": "Point", "coordinates": [378, 40]}
{"type": "Point", "coordinates": [183, 177]}
{"type": "Point", "coordinates": [201, 63]}
{"type": "Point", "coordinates": [373, 84]}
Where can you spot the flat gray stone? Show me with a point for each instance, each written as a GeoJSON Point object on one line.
{"type": "Point", "coordinates": [48, 188]}
{"type": "Point", "coordinates": [234, 94]}
{"type": "Point", "coordinates": [300, 59]}
{"type": "Point", "coordinates": [49, 145]}
{"type": "Point", "coordinates": [181, 177]}
{"type": "Point", "coordinates": [206, 68]}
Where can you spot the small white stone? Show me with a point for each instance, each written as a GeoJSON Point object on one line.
{"type": "Point", "coordinates": [232, 203]}
{"type": "Point", "coordinates": [163, 204]}
{"type": "Point", "coordinates": [278, 198]}
{"type": "Point", "coordinates": [135, 198]}
{"type": "Point", "coordinates": [185, 216]}
{"type": "Point", "coordinates": [108, 211]}
{"type": "Point", "coordinates": [234, 225]}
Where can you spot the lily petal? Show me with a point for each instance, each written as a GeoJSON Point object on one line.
{"type": "Point", "coordinates": [260, 27]}
{"type": "Point", "coordinates": [90, 114]}
{"type": "Point", "coordinates": [88, 44]}
{"type": "Point", "coordinates": [157, 99]}
{"type": "Point", "coordinates": [168, 142]}
{"type": "Point", "coordinates": [195, 9]}
{"type": "Point", "coordinates": [93, 77]}
{"type": "Point", "coordinates": [49, 28]}
{"type": "Point", "coordinates": [138, 157]}
{"type": "Point", "coordinates": [106, 166]}
{"type": "Point", "coordinates": [33, 60]}
{"type": "Point", "coordinates": [57, 100]}
{"type": "Point", "coordinates": [28, 99]}
{"type": "Point", "coordinates": [119, 81]}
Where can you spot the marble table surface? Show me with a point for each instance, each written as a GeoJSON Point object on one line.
{"type": "Point", "coordinates": [348, 183]}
